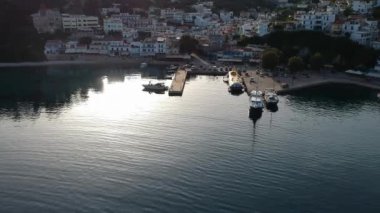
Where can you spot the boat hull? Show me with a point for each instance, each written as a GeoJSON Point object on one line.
{"type": "Point", "coordinates": [234, 82]}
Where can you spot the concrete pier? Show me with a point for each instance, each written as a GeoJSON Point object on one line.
{"type": "Point", "coordinates": [253, 81]}
{"type": "Point", "coordinates": [178, 83]}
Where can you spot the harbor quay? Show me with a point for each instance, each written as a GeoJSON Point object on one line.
{"type": "Point", "coordinates": [286, 84]}
{"type": "Point", "coordinates": [178, 83]}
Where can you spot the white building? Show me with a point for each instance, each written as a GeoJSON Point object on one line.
{"type": "Point", "coordinates": [113, 24]}
{"type": "Point", "coordinates": [53, 47]}
{"type": "Point", "coordinates": [115, 9]}
{"type": "Point", "coordinates": [226, 16]}
{"type": "Point", "coordinates": [129, 34]}
{"type": "Point", "coordinates": [361, 31]}
{"type": "Point", "coordinates": [262, 28]}
{"type": "Point", "coordinates": [246, 30]}
{"type": "Point", "coordinates": [362, 7]}
{"type": "Point", "coordinates": [172, 15]}
{"type": "Point", "coordinates": [77, 22]}
{"type": "Point", "coordinates": [315, 20]}
{"type": "Point", "coordinates": [149, 47]}
{"type": "Point", "coordinates": [47, 20]}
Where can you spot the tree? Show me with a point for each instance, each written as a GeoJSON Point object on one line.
{"type": "Point", "coordinates": [19, 40]}
{"type": "Point", "coordinates": [187, 44]}
{"type": "Point", "coordinates": [316, 61]}
{"type": "Point", "coordinates": [270, 59]}
{"type": "Point", "coordinates": [295, 64]}
{"type": "Point", "coordinates": [348, 11]}
{"type": "Point", "coordinates": [376, 13]}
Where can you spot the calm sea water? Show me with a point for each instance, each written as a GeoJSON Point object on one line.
{"type": "Point", "coordinates": [88, 139]}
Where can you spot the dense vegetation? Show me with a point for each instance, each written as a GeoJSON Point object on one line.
{"type": "Point", "coordinates": [341, 52]}
{"type": "Point", "coordinates": [188, 44]}
{"type": "Point", "coordinates": [19, 41]}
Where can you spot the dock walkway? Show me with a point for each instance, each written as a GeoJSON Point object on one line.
{"type": "Point", "coordinates": [178, 83]}
{"type": "Point", "coordinates": [301, 81]}
{"type": "Point", "coordinates": [259, 83]}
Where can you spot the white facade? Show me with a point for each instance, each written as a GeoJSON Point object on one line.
{"type": "Point", "coordinates": [226, 16]}
{"type": "Point", "coordinates": [149, 47]}
{"type": "Point", "coordinates": [262, 28]}
{"type": "Point", "coordinates": [115, 9]}
{"type": "Point", "coordinates": [129, 34]}
{"type": "Point", "coordinates": [246, 29]}
{"type": "Point", "coordinates": [315, 20]}
{"type": "Point", "coordinates": [361, 31]}
{"type": "Point", "coordinates": [77, 22]}
{"type": "Point", "coordinates": [113, 24]}
{"type": "Point", "coordinates": [173, 15]}
{"type": "Point", "coordinates": [53, 47]}
{"type": "Point", "coordinates": [362, 7]}
{"type": "Point", "coordinates": [47, 20]}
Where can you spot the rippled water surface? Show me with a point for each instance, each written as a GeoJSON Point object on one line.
{"type": "Point", "coordinates": [85, 139]}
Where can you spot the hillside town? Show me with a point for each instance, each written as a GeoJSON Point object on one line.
{"type": "Point", "coordinates": [157, 32]}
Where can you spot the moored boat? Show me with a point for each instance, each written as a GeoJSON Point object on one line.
{"type": "Point", "coordinates": [270, 97]}
{"type": "Point", "coordinates": [157, 87]}
{"type": "Point", "coordinates": [256, 100]}
{"type": "Point", "coordinates": [235, 82]}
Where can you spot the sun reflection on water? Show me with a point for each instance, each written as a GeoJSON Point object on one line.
{"type": "Point", "coordinates": [121, 100]}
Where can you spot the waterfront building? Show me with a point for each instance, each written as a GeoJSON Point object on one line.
{"type": "Point", "coordinates": [149, 47]}
{"type": "Point", "coordinates": [47, 20]}
{"type": "Point", "coordinates": [77, 22]}
{"type": "Point", "coordinates": [53, 47]}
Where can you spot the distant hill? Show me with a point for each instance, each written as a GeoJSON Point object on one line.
{"type": "Point", "coordinates": [19, 41]}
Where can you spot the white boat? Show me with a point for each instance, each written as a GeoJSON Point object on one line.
{"type": "Point", "coordinates": [143, 65]}
{"type": "Point", "coordinates": [157, 87]}
{"type": "Point", "coordinates": [234, 81]}
{"type": "Point", "coordinates": [270, 97]}
{"type": "Point", "coordinates": [256, 100]}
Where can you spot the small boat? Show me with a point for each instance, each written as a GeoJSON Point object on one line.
{"type": "Point", "coordinates": [143, 65]}
{"type": "Point", "coordinates": [378, 95]}
{"type": "Point", "coordinates": [256, 100]}
{"type": "Point", "coordinates": [270, 97]}
{"type": "Point", "coordinates": [235, 82]}
{"type": "Point", "coordinates": [157, 87]}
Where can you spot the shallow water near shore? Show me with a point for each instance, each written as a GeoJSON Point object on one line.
{"type": "Point", "coordinates": [88, 139]}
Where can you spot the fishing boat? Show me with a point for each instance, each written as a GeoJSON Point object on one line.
{"type": "Point", "coordinates": [234, 82]}
{"type": "Point", "coordinates": [270, 97]}
{"type": "Point", "coordinates": [157, 87]}
{"type": "Point", "coordinates": [256, 100]}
